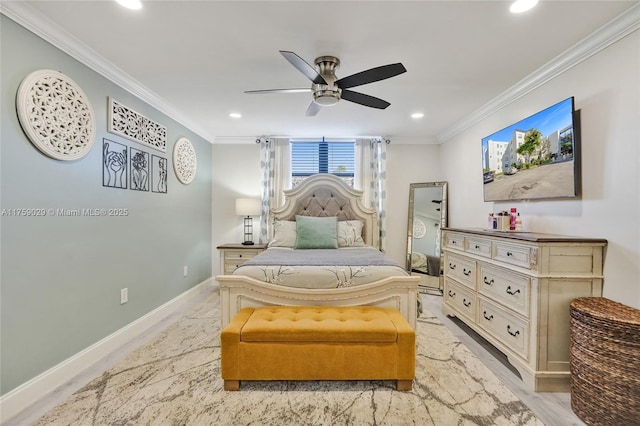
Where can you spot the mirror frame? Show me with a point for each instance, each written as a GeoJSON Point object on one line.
{"type": "Point", "coordinates": [443, 222]}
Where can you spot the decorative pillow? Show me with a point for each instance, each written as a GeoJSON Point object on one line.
{"type": "Point", "coordinates": [316, 232]}
{"type": "Point", "coordinates": [350, 233]}
{"type": "Point", "coordinates": [284, 234]}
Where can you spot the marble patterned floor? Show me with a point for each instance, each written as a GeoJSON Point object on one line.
{"type": "Point", "coordinates": [175, 379]}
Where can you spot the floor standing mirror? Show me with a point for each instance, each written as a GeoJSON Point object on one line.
{"type": "Point", "coordinates": [427, 217]}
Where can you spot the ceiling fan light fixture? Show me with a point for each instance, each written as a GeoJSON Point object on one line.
{"type": "Point", "coordinates": [326, 100]}
{"type": "Point", "coordinates": [520, 6]}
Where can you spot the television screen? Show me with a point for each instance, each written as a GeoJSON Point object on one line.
{"type": "Point", "coordinates": [533, 158]}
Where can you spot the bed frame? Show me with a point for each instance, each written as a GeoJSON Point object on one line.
{"type": "Point", "coordinates": [322, 195]}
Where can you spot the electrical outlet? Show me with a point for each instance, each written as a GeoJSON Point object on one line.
{"type": "Point", "coordinates": [186, 270]}
{"type": "Point", "coordinates": [124, 296]}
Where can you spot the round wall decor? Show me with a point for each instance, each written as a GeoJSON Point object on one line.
{"type": "Point", "coordinates": [184, 161]}
{"type": "Point", "coordinates": [419, 229]}
{"type": "Point", "coordinates": [56, 115]}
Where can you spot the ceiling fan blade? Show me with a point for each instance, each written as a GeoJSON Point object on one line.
{"type": "Point", "coordinates": [260, 92]}
{"type": "Point", "coordinates": [362, 99]}
{"type": "Point", "coordinates": [313, 109]}
{"type": "Point", "coordinates": [371, 75]}
{"type": "Point", "coordinates": [303, 67]}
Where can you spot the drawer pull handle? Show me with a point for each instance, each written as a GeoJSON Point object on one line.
{"type": "Point", "coordinates": [465, 303]}
{"type": "Point", "coordinates": [451, 294]}
{"type": "Point", "coordinates": [488, 318]}
{"type": "Point", "coordinates": [452, 266]}
{"type": "Point", "coordinates": [240, 255]}
{"type": "Point", "coordinates": [515, 333]}
{"type": "Point", "coordinates": [511, 292]}
{"type": "Point", "coordinates": [488, 282]}
{"type": "Point", "coordinates": [509, 254]}
{"type": "Point", "coordinates": [453, 242]}
{"type": "Point", "coordinates": [466, 272]}
{"type": "Point", "coordinates": [477, 247]}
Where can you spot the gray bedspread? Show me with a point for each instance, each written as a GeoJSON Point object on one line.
{"type": "Point", "coordinates": [322, 257]}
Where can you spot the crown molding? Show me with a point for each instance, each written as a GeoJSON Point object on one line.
{"type": "Point", "coordinates": [31, 19]}
{"type": "Point", "coordinates": [616, 29]}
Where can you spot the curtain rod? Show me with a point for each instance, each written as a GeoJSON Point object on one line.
{"type": "Point", "coordinates": [266, 139]}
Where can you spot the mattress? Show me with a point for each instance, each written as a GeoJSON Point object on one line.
{"type": "Point", "coordinates": [320, 268]}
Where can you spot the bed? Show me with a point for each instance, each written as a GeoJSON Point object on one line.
{"type": "Point", "coordinates": [349, 271]}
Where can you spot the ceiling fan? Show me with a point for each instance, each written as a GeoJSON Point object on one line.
{"type": "Point", "coordinates": [327, 89]}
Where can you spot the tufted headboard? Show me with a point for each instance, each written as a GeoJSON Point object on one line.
{"type": "Point", "coordinates": [328, 195]}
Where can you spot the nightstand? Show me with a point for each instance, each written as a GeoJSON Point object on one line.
{"type": "Point", "coordinates": [234, 254]}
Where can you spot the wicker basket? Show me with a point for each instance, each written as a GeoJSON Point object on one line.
{"type": "Point", "coordinates": [605, 362]}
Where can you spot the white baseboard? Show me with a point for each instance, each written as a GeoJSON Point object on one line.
{"type": "Point", "coordinates": [26, 394]}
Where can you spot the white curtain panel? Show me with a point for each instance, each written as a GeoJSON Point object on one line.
{"type": "Point", "coordinates": [275, 162]}
{"type": "Point", "coordinates": [371, 177]}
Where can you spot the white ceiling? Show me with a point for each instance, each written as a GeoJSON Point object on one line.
{"type": "Point", "coordinates": [194, 59]}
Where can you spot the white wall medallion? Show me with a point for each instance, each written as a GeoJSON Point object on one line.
{"type": "Point", "coordinates": [56, 115]}
{"type": "Point", "coordinates": [419, 229]}
{"type": "Point", "coordinates": [125, 122]}
{"type": "Point", "coordinates": [184, 161]}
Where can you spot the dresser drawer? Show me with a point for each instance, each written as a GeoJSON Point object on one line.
{"type": "Point", "coordinates": [455, 241]}
{"type": "Point", "coordinates": [460, 298]}
{"type": "Point", "coordinates": [235, 258]}
{"type": "Point", "coordinates": [479, 246]}
{"type": "Point", "coordinates": [505, 287]}
{"type": "Point", "coordinates": [505, 326]}
{"type": "Point", "coordinates": [462, 269]}
{"type": "Point", "coordinates": [514, 254]}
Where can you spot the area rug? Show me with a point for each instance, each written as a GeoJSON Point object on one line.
{"type": "Point", "coordinates": [175, 380]}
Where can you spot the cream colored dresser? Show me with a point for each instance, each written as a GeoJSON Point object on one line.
{"type": "Point", "coordinates": [514, 289]}
{"type": "Point", "coordinates": [234, 255]}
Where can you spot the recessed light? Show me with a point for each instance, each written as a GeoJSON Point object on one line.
{"type": "Point", "coordinates": [235, 115]}
{"type": "Point", "coordinates": [130, 4]}
{"type": "Point", "coordinates": [417, 115]}
{"type": "Point", "coordinates": [520, 6]}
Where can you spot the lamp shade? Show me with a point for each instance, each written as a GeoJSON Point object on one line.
{"type": "Point", "coordinates": [248, 206]}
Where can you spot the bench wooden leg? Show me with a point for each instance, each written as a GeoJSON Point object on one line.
{"type": "Point", "coordinates": [232, 385]}
{"type": "Point", "coordinates": [404, 385]}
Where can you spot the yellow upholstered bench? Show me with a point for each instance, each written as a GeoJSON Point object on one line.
{"type": "Point", "coordinates": [318, 343]}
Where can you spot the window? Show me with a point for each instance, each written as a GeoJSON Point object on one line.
{"type": "Point", "coordinates": [311, 157]}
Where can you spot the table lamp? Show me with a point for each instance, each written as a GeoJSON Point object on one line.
{"type": "Point", "coordinates": [248, 207]}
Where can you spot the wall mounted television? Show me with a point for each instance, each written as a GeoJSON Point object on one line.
{"type": "Point", "coordinates": [535, 158]}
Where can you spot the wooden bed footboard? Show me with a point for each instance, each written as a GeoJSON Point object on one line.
{"type": "Point", "coordinates": [237, 292]}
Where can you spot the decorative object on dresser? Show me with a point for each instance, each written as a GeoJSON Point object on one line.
{"type": "Point", "coordinates": [233, 255]}
{"type": "Point", "coordinates": [248, 207]}
{"type": "Point", "coordinates": [605, 361]}
{"type": "Point", "coordinates": [56, 115]}
{"type": "Point", "coordinates": [514, 289]}
{"type": "Point", "coordinates": [427, 217]}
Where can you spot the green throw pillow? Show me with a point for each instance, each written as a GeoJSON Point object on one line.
{"type": "Point", "coordinates": [316, 232]}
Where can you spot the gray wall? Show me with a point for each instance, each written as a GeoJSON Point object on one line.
{"type": "Point", "coordinates": [61, 276]}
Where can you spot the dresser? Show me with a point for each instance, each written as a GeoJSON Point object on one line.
{"type": "Point", "coordinates": [514, 290]}
{"type": "Point", "coordinates": [234, 255]}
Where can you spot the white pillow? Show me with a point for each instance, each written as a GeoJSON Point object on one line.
{"type": "Point", "coordinates": [350, 234]}
{"type": "Point", "coordinates": [284, 234]}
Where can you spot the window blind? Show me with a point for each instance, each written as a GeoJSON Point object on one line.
{"type": "Point", "coordinates": [308, 158]}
